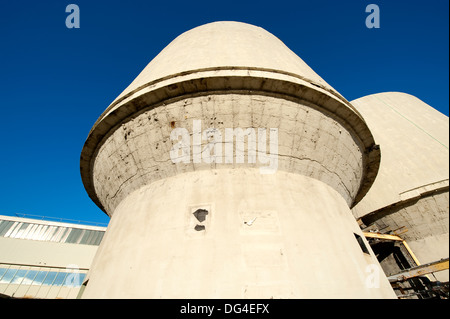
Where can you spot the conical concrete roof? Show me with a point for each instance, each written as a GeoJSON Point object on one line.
{"type": "Point", "coordinates": [414, 143]}
{"type": "Point", "coordinates": [225, 44]}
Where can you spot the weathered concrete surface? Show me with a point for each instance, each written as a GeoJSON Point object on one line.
{"type": "Point", "coordinates": [411, 189]}
{"type": "Point", "coordinates": [301, 244]}
{"type": "Point", "coordinates": [310, 142]}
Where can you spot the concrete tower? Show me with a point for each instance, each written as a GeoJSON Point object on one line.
{"type": "Point", "coordinates": [265, 214]}
{"type": "Point", "coordinates": [410, 194]}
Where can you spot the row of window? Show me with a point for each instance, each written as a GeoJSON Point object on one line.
{"type": "Point", "coordinates": [60, 234]}
{"type": "Point", "coordinates": [32, 277]}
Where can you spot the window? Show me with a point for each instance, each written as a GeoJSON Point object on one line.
{"type": "Point", "coordinates": [48, 281]}
{"type": "Point", "coordinates": [2, 272]}
{"type": "Point", "coordinates": [29, 277]}
{"type": "Point", "coordinates": [39, 278]}
{"type": "Point", "coordinates": [97, 238]}
{"type": "Point", "coordinates": [18, 278]}
{"type": "Point", "coordinates": [87, 237]}
{"type": "Point", "coordinates": [361, 244]}
{"type": "Point", "coordinates": [74, 279]}
{"type": "Point", "coordinates": [59, 280]}
{"type": "Point", "coordinates": [8, 276]}
{"type": "Point", "coordinates": [4, 226]}
{"type": "Point", "coordinates": [54, 233]}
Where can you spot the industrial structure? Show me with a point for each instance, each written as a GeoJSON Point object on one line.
{"type": "Point", "coordinates": [280, 210]}
{"type": "Point", "coordinates": [410, 195]}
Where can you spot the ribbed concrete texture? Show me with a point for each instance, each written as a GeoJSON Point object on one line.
{"type": "Point", "coordinates": [410, 194]}
{"type": "Point", "coordinates": [189, 220]}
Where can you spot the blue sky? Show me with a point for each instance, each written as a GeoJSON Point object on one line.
{"type": "Point", "coordinates": [55, 81]}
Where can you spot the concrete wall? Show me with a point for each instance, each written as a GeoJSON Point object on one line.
{"type": "Point", "coordinates": [38, 253]}
{"type": "Point", "coordinates": [301, 244]}
{"type": "Point", "coordinates": [311, 142]}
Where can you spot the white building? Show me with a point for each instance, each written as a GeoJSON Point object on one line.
{"type": "Point", "coordinates": [45, 259]}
